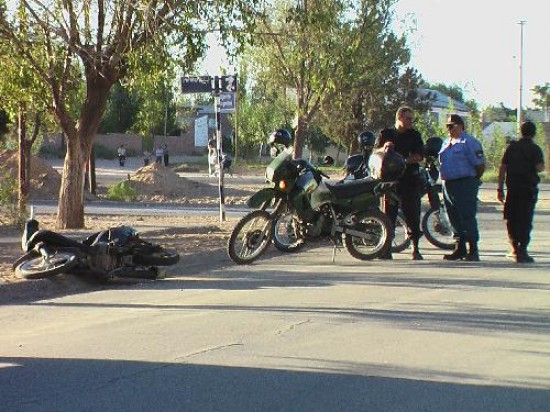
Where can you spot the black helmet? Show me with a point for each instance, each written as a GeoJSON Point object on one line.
{"type": "Point", "coordinates": [433, 146]}
{"type": "Point", "coordinates": [280, 136]}
{"type": "Point", "coordinates": [366, 139]}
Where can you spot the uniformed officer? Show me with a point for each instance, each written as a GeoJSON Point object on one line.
{"type": "Point", "coordinates": [406, 141]}
{"type": "Point", "coordinates": [462, 165]}
{"type": "Point", "coordinates": [521, 163]}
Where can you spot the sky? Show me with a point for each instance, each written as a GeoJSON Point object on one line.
{"type": "Point", "coordinates": [474, 44]}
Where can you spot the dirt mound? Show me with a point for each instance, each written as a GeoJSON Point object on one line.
{"type": "Point", "coordinates": [45, 181]}
{"type": "Point", "coordinates": [156, 182]}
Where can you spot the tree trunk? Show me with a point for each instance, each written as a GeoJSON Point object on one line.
{"type": "Point", "coordinates": [22, 188]}
{"type": "Point", "coordinates": [70, 214]}
{"type": "Point", "coordinates": [299, 136]}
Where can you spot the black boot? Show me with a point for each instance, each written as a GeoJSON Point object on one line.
{"type": "Point", "coordinates": [416, 253]}
{"type": "Point", "coordinates": [459, 252]}
{"type": "Point", "coordinates": [522, 255]}
{"type": "Point", "coordinates": [473, 254]}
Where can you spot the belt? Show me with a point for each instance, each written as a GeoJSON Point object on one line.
{"type": "Point", "coordinates": [459, 178]}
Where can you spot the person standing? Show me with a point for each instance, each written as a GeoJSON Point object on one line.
{"type": "Point", "coordinates": [462, 165]}
{"type": "Point", "coordinates": [521, 163]}
{"type": "Point", "coordinates": [159, 154]}
{"type": "Point", "coordinates": [165, 155]}
{"type": "Point", "coordinates": [121, 153]}
{"type": "Point", "coordinates": [406, 141]}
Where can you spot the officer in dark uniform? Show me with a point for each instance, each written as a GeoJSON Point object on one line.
{"type": "Point", "coordinates": [406, 141]}
{"type": "Point", "coordinates": [521, 163]}
{"type": "Point", "coordinates": [462, 165]}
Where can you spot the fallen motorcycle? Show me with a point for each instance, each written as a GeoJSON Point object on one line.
{"type": "Point", "coordinates": [115, 252]}
{"type": "Point", "coordinates": [304, 205]}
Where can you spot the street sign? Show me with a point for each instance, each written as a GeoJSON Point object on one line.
{"type": "Point", "coordinates": [228, 83]}
{"type": "Point", "coordinates": [196, 84]}
{"type": "Point", "coordinates": [227, 102]}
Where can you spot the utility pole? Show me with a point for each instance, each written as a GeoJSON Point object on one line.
{"type": "Point", "coordinates": [520, 103]}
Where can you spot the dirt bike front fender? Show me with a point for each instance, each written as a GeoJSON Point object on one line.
{"type": "Point", "coordinates": [262, 197]}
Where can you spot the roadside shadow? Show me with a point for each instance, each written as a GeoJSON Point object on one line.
{"type": "Point", "coordinates": [38, 384]}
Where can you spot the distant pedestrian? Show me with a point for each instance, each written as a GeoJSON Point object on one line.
{"type": "Point", "coordinates": [462, 165]}
{"type": "Point", "coordinates": [159, 154]}
{"type": "Point", "coordinates": [121, 153]}
{"type": "Point", "coordinates": [521, 163]}
{"type": "Point", "coordinates": [165, 154]}
{"type": "Point", "coordinates": [146, 157]}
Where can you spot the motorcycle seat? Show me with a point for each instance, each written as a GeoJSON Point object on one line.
{"type": "Point", "coordinates": [350, 188]}
{"type": "Point", "coordinates": [51, 238]}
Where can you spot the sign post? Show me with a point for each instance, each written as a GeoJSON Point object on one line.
{"type": "Point", "coordinates": [223, 88]}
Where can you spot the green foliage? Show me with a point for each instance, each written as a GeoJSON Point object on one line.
{"type": "Point", "coordinates": [494, 148]}
{"type": "Point", "coordinates": [9, 209]}
{"type": "Point", "coordinates": [122, 192]}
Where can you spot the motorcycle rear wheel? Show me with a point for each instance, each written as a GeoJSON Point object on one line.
{"type": "Point", "coordinates": [40, 267]}
{"type": "Point", "coordinates": [287, 236]}
{"type": "Point", "coordinates": [250, 237]}
{"type": "Point", "coordinates": [158, 257]}
{"type": "Point", "coordinates": [437, 230]}
{"type": "Point", "coordinates": [376, 225]}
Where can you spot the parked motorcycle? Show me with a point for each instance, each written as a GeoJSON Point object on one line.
{"type": "Point", "coordinates": [305, 206]}
{"type": "Point", "coordinates": [435, 222]}
{"type": "Point", "coordinates": [115, 252]}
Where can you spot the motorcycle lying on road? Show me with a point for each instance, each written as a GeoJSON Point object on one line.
{"type": "Point", "coordinates": [115, 252]}
{"type": "Point", "coordinates": [304, 206]}
{"type": "Point", "coordinates": [435, 223]}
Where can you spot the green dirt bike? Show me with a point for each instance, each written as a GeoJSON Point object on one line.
{"type": "Point", "coordinates": [300, 204]}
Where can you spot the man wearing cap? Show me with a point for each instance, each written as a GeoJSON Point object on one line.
{"type": "Point", "coordinates": [462, 165]}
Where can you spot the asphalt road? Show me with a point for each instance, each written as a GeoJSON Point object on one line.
{"type": "Point", "coordinates": [294, 332]}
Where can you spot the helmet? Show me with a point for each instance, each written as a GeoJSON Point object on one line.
{"type": "Point", "coordinates": [433, 146]}
{"type": "Point", "coordinates": [366, 139]}
{"type": "Point", "coordinates": [280, 136]}
{"type": "Point", "coordinates": [387, 165]}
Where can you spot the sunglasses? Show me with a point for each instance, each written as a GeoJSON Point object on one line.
{"type": "Point", "coordinates": [450, 126]}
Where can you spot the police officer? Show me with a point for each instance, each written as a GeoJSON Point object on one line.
{"type": "Point", "coordinates": [406, 141]}
{"type": "Point", "coordinates": [521, 163]}
{"type": "Point", "coordinates": [462, 165]}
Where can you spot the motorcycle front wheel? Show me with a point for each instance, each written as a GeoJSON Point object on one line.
{"type": "Point", "coordinates": [400, 240]}
{"type": "Point", "coordinates": [287, 236]}
{"type": "Point", "coordinates": [438, 230]}
{"type": "Point", "coordinates": [44, 267]}
{"type": "Point", "coordinates": [157, 257]}
{"type": "Point", "coordinates": [375, 240]}
{"type": "Point", "coordinates": [250, 237]}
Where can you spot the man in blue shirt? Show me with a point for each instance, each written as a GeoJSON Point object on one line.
{"type": "Point", "coordinates": [462, 165]}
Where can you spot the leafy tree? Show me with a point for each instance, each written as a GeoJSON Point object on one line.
{"type": "Point", "coordinates": [312, 46]}
{"type": "Point", "coordinates": [95, 44]}
{"type": "Point", "coordinates": [542, 97]}
{"type": "Point", "coordinates": [120, 112]}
